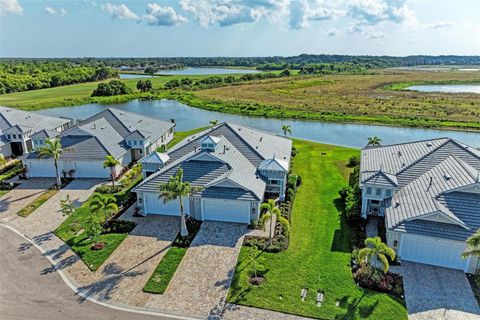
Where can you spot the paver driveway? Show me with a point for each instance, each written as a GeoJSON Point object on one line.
{"type": "Point", "coordinates": [26, 192]}
{"type": "Point", "coordinates": [123, 275]}
{"type": "Point", "coordinates": [202, 280]}
{"type": "Point", "coordinates": [435, 293]}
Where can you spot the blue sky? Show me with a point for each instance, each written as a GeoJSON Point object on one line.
{"type": "Point", "coordinates": [35, 28]}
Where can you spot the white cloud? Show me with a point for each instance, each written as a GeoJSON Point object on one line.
{"type": "Point", "coordinates": [120, 11]}
{"type": "Point", "coordinates": [162, 16]}
{"type": "Point", "coordinates": [60, 12]}
{"type": "Point", "coordinates": [440, 24]}
{"type": "Point", "coordinates": [376, 11]}
{"type": "Point", "coordinates": [10, 6]}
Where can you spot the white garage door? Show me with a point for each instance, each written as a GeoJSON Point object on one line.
{"type": "Point", "coordinates": [41, 169]}
{"type": "Point", "coordinates": [226, 210]}
{"type": "Point", "coordinates": [154, 205]}
{"type": "Point", "coordinates": [444, 253]}
{"type": "Point", "coordinates": [91, 169]}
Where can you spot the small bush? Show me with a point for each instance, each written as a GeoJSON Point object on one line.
{"type": "Point", "coordinates": [192, 226]}
{"type": "Point", "coordinates": [279, 243]}
{"type": "Point", "coordinates": [108, 189]}
{"type": "Point", "coordinates": [354, 161]}
{"type": "Point", "coordinates": [120, 226]}
{"type": "Point", "coordinates": [343, 193]}
{"type": "Point", "coordinates": [292, 181]}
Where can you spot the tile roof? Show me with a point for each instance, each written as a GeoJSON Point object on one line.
{"type": "Point", "coordinates": [239, 152]}
{"type": "Point", "coordinates": [28, 121]}
{"type": "Point", "coordinates": [427, 173]}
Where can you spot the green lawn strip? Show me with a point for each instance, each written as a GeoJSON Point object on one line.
{"type": "Point", "coordinates": [179, 136]}
{"type": "Point", "coordinates": [35, 204]}
{"type": "Point", "coordinates": [318, 257]}
{"type": "Point", "coordinates": [70, 232]}
{"type": "Point", "coordinates": [165, 270]}
{"type": "Point", "coordinates": [3, 192]}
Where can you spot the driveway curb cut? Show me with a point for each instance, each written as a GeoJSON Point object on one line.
{"type": "Point", "coordinates": [70, 283]}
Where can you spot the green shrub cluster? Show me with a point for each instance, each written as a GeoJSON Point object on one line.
{"type": "Point", "coordinates": [112, 88]}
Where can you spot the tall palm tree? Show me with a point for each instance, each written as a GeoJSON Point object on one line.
{"type": "Point", "coordinates": [287, 129]}
{"type": "Point", "coordinates": [374, 141]}
{"type": "Point", "coordinates": [214, 122]}
{"type": "Point", "coordinates": [175, 188]}
{"type": "Point", "coordinates": [52, 148]}
{"type": "Point", "coordinates": [473, 245]}
{"type": "Point", "coordinates": [272, 210]}
{"type": "Point", "coordinates": [111, 162]}
{"type": "Point", "coordinates": [105, 204]}
{"type": "Point", "coordinates": [375, 248]}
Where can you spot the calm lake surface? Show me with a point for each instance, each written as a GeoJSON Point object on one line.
{"type": "Point", "coordinates": [133, 76]}
{"type": "Point", "coordinates": [351, 135]}
{"type": "Point", "coordinates": [198, 71]}
{"type": "Point", "coordinates": [450, 88]}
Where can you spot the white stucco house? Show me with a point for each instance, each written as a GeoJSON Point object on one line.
{"type": "Point", "coordinates": [124, 135]}
{"type": "Point", "coordinates": [429, 195]}
{"type": "Point", "coordinates": [17, 128]}
{"type": "Point", "coordinates": [236, 166]}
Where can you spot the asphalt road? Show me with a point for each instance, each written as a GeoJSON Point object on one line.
{"type": "Point", "coordinates": [29, 290]}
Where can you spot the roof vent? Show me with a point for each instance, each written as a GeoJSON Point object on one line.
{"type": "Point", "coordinates": [399, 153]}
{"type": "Point", "coordinates": [447, 176]}
{"type": "Point", "coordinates": [102, 128]}
{"type": "Point", "coordinates": [261, 139]}
{"type": "Point", "coordinates": [397, 204]}
{"type": "Point", "coordinates": [429, 144]}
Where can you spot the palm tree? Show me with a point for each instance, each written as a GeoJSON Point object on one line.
{"type": "Point", "coordinates": [271, 210]}
{"type": "Point", "coordinates": [473, 245]}
{"type": "Point", "coordinates": [103, 203]}
{"type": "Point", "coordinates": [286, 129]}
{"type": "Point", "coordinates": [111, 162]}
{"type": "Point", "coordinates": [375, 248]}
{"type": "Point", "coordinates": [175, 188]}
{"type": "Point", "coordinates": [374, 141]}
{"type": "Point", "coordinates": [52, 148]}
{"type": "Point", "coordinates": [214, 122]}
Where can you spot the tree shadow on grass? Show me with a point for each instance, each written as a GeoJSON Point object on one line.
{"type": "Point", "coordinates": [341, 237]}
{"type": "Point", "coordinates": [353, 308]}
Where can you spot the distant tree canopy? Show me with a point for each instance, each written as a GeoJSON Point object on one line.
{"type": "Point", "coordinates": [144, 85]}
{"type": "Point", "coordinates": [30, 75]}
{"type": "Point", "coordinates": [112, 88]}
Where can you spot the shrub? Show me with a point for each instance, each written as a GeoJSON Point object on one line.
{"type": "Point", "coordinates": [108, 189]}
{"type": "Point", "coordinates": [354, 161]}
{"type": "Point", "coordinates": [343, 193]}
{"type": "Point", "coordinates": [290, 194]}
{"type": "Point", "coordinates": [112, 88]}
{"type": "Point", "coordinates": [120, 226]}
{"type": "Point", "coordinates": [292, 181]}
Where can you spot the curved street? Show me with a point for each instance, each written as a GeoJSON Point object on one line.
{"type": "Point", "coordinates": [30, 289]}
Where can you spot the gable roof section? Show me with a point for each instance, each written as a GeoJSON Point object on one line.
{"type": "Point", "coordinates": [381, 178]}
{"type": "Point", "coordinates": [42, 134]}
{"type": "Point", "coordinates": [34, 121]}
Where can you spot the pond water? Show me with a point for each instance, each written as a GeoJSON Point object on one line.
{"type": "Point", "coordinates": [133, 76]}
{"type": "Point", "coordinates": [351, 135]}
{"type": "Point", "coordinates": [199, 71]}
{"type": "Point", "coordinates": [450, 88]}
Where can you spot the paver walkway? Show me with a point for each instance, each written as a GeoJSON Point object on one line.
{"type": "Point", "coordinates": [127, 270]}
{"type": "Point", "coordinates": [201, 282]}
{"type": "Point", "coordinates": [435, 293]}
{"type": "Point", "coordinates": [22, 195]}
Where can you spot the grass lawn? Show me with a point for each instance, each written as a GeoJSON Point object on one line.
{"type": "Point", "coordinates": [319, 253]}
{"type": "Point", "coordinates": [165, 270]}
{"type": "Point", "coordinates": [3, 192]}
{"type": "Point", "coordinates": [80, 244]}
{"type": "Point", "coordinates": [179, 136]}
{"type": "Point", "coordinates": [32, 206]}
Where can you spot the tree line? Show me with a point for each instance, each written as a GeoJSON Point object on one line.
{"type": "Point", "coordinates": [31, 75]}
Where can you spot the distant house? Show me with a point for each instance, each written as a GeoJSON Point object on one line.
{"type": "Point", "coordinates": [429, 195]}
{"type": "Point", "coordinates": [237, 167]}
{"type": "Point", "coordinates": [124, 135]}
{"type": "Point", "coordinates": [17, 127]}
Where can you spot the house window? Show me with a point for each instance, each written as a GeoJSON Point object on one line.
{"type": "Point", "coordinates": [135, 142]}
{"type": "Point", "coordinates": [275, 182]}
{"type": "Point", "coordinates": [378, 192]}
{"type": "Point", "coordinates": [14, 136]}
{"type": "Point", "coordinates": [9, 137]}
{"type": "Point", "coordinates": [140, 142]}
{"type": "Point", "coordinates": [369, 190]}
{"type": "Point", "coordinates": [388, 193]}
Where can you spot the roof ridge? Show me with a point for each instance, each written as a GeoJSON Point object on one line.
{"type": "Point", "coordinates": [404, 143]}
{"type": "Point", "coordinates": [259, 130]}
{"type": "Point", "coordinates": [241, 138]}
{"type": "Point", "coordinates": [468, 168]}
{"type": "Point", "coordinates": [422, 157]}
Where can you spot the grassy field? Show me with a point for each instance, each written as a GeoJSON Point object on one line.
{"type": "Point", "coordinates": [78, 94]}
{"type": "Point", "coordinates": [364, 98]}
{"type": "Point", "coordinates": [319, 253]}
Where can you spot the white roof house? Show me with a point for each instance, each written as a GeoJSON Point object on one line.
{"type": "Point", "coordinates": [429, 195]}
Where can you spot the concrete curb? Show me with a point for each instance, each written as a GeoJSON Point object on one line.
{"type": "Point", "coordinates": [72, 285]}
